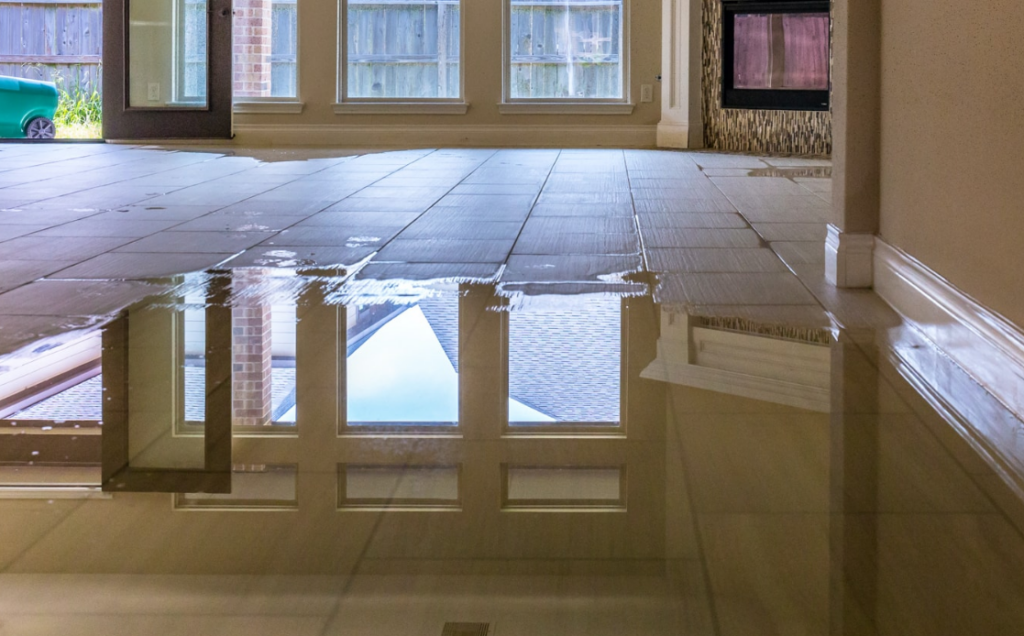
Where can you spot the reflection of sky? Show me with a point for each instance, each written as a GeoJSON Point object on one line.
{"type": "Point", "coordinates": [401, 374]}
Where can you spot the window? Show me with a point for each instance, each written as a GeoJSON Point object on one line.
{"type": "Point", "coordinates": [265, 49]}
{"type": "Point", "coordinates": [191, 84]}
{"type": "Point", "coordinates": [566, 49]}
{"type": "Point", "coordinates": [402, 49]}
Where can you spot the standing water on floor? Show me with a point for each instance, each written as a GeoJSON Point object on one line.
{"type": "Point", "coordinates": [279, 451]}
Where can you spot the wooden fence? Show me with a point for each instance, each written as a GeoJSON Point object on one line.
{"type": "Point", "coordinates": [53, 40]}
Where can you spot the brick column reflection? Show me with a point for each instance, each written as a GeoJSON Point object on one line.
{"type": "Point", "coordinates": [251, 356]}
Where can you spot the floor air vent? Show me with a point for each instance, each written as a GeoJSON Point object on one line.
{"type": "Point", "coordinates": [466, 629]}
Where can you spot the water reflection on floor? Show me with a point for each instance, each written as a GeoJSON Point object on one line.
{"type": "Point", "coordinates": [273, 452]}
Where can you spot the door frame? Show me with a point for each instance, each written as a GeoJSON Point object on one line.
{"type": "Point", "coordinates": [121, 121]}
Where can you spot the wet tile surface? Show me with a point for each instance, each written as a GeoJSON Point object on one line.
{"type": "Point", "coordinates": [559, 392]}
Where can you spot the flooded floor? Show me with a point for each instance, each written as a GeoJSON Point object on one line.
{"type": "Point", "coordinates": [502, 393]}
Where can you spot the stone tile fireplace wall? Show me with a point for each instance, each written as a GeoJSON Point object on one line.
{"type": "Point", "coordinates": [760, 131]}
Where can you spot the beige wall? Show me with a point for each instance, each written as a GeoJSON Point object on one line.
{"type": "Point", "coordinates": [952, 183]}
{"type": "Point", "coordinates": [482, 124]}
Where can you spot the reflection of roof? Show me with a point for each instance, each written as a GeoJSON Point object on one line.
{"type": "Point", "coordinates": [84, 400]}
{"type": "Point", "coordinates": [562, 362]}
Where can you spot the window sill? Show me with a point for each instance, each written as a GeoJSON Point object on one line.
{"type": "Point", "coordinates": [401, 108]}
{"type": "Point", "coordinates": [268, 107]}
{"type": "Point", "coordinates": [565, 108]}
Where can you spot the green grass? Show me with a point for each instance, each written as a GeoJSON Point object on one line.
{"type": "Point", "coordinates": [79, 116]}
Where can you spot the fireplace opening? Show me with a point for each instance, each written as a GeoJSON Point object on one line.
{"type": "Point", "coordinates": [775, 54]}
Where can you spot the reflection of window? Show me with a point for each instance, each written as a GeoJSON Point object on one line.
{"type": "Point", "coordinates": [402, 49]}
{"type": "Point", "coordinates": [265, 48]}
{"type": "Point", "coordinates": [270, 332]}
{"type": "Point", "coordinates": [566, 49]}
{"type": "Point", "coordinates": [398, 486]}
{"type": "Point", "coordinates": [558, 487]}
{"type": "Point", "coordinates": [565, 364]}
{"type": "Point", "coordinates": [252, 486]}
{"type": "Point", "coordinates": [402, 368]}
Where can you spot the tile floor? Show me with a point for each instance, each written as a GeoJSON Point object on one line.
{"type": "Point", "coordinates": [717, 235]}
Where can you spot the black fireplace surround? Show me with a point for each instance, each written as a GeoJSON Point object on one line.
{"type": "Point", "coordinates": [776, 54]}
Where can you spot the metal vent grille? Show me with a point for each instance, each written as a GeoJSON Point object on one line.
{"type": "Point", "coordinates": [466, 629]}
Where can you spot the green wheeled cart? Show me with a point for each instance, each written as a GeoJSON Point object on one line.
{"type": "Point", "coordinates": [27, 108]}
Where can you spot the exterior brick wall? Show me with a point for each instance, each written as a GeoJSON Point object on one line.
{"type": "Point", "coordinates": [251, 48]}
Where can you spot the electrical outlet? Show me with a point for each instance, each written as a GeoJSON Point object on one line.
{"type": "Point", "coordinates": [646, 93]}
{"type": "Point", "coordinates": [153, 92]}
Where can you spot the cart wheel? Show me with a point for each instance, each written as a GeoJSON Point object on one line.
{"type": "Point", "coordinates": [40, 128]}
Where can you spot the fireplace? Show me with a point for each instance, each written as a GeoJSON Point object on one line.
{"type": "Point", "coordinates": [775, 54]}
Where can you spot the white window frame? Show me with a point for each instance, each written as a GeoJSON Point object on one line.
{"type": "Point", "coordinates": [346, 105]}
{"type": "Point", "coordinates": [275, 105]}
{"type": "Point", "coordinates": [563, 106]}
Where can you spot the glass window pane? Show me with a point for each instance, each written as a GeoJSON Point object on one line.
{"type": "Point", "coordinates": [265, 48]}
{"type": "Point", "coordinates": [167, 53]}
{"type": "Point", "coordinates": [403, 50]}
{"type": "Point", "coordinates": [566, 49]}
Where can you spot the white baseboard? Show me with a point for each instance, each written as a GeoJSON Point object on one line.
{"type": "Point", "coordinates": [984, 344]}
{"type": "Point", "coordinates": [848, 261]}
{"type": "Point", "coordinates": [420, 136]}
{"type": "Point", "coordinates": [673, 136]}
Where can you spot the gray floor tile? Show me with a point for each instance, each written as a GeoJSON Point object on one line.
{"type": "Point", "coordinates": [574, 268]}
{"type": "Point", "coordinates": [110, 228]}
{"type": "Point", "coordinates": [196, 242]}
{"type": "Point", "coordinates": [360, 219]}
{"type": "Point", "coordinates": [426, 195]}
{"type": "Point", "coordinates": [45, 216]}
{"type": "Point", "coordinates": [350, 236]}
{"type": "Point", "coordinates": [156, 213]}
{"type": "Point", "coordinates": [690, 220]}
{"type": "Point", "coordinates": [566, 243]}
{"type": "Point", "coordinates": [8, 232]}
{"type": "Point", "coordinates": [275, 208]}
{"type": "Point", "coordinates": [720, 204]}
{"type": "Point", "coordinates": [74, 298]}
{"type": "Point", "coordinates": [460, 272]}
{"type": "Point", "coordinates": [791, 231]}
{"type": "Point", "coordinates": [439, 228]}
{"type": "Point", "coordinates": [595, 209]}
{"type": "Point", "coordinates": [131, 266]}
{"type": "Point", "coordinates": [733, 289]}
{"type": "Point", "coordinates": [446, 251]}
{"type": "Point", "coordinates": [800, 252]}
{"type": "Point", "coordinates": [714, 260]}
{"type": "Point", "coordinates": [300, 256]}
{"type": "Point", "coordinates": [43, 248]}
{"type": "Point", "coordinates": [378, 205]}
{"type": "Point", "coordinates": [237, 223]}
{"type": "Point", "coordinates": [691, 237]}
{"type": "Point", "coordinates": [492, 202]}
{"type": "Point", "coordinates": [14, 273]}
{"type": "Point", "coordinates": [579, 225]}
